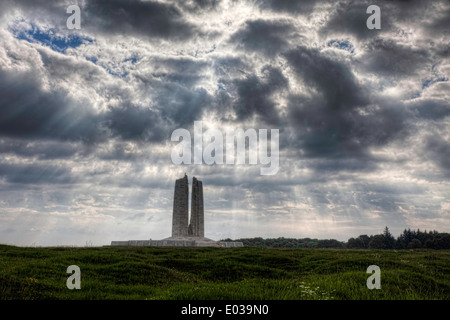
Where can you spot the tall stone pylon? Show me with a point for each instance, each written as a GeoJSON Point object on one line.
{"type": "Point", "coordinates": [180, 217]}
{"type": "Point", "coordinates": [197, 224]}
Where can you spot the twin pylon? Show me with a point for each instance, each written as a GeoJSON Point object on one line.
{"type": "Point", "coordinates": [181, 227]}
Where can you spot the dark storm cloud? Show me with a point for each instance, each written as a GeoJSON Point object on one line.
{"type": "Point", "coordinates": [266, 37]}
{"type": "Point", "coordinates": [183, 71]}
{"type": "Point", "coordinates": [340, 120]}
{"type": "Point", "coordinates": [177, 97]}
{"type": "Point", "coordinates": [135, 123]}
{"type": "Point", "coordinates": [36, 174]}
{"type": "Point", "coordinates": [41, 149]}
{"type": "Point", "coordinates": [440, 25]}
{"type": "Point", "coordinates": [351, 17]}
{"type": "Point", "coordinates": [288, 6]}
{"type": "Point", "coordinates": [431, 109]}
{"type": "Point", "coordinates": [388, 58]}
{"type": "Point", "coordinates": [437, 150]}
{"type": "Point", "coordinates": [181, 105]}
{"type": "Point", "coordinates": [443, 50]}
{"type": "Point", "coordinates": [28, 111]}
{"type": "Point", "coordinates": [255, 95]}
{"type": "Point", "coordinates": [333, 79]}
{"type": "Point", "coordinates": [141, 18]}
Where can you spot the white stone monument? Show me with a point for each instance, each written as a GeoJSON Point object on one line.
{"type": "Point", "coordinates": [185, 233]}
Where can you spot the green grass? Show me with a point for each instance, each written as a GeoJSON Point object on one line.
{"type": "Point", "coordinates": [218, 273]}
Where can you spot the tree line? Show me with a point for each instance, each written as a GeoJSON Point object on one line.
{"type": "Point", "coordinates": [408, 239]}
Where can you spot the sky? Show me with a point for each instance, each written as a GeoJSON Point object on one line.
{"type": "Point", "coordinates": [86, 117]}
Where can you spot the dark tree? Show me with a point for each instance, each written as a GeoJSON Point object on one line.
{"type": "Point", "coordinates": [415, 244]}
{"type": "Point", "coordinates": [389, 240]}
{"type": "Point", "coordinates": [377, 242]}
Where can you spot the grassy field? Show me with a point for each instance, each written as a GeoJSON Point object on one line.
{"type": "Point", "coordinates": [217, 273]}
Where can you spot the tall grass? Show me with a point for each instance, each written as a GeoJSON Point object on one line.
{"type": "Point", "coordinates": [217, 273]}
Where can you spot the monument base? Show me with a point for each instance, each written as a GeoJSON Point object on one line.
{"type": "Point", "coordinates": [178, 242]}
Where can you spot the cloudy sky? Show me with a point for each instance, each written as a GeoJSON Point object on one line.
{"type": "Point", "coordinates": [86, 117]}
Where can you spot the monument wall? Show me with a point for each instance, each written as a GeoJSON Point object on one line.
{"type": "Point", "coordinates": [197, 225]}
{"type": "Point", "coordinates": [180, 217]}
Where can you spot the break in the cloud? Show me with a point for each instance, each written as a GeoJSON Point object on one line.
{"type": "Point", "coordinates": [86, 117]}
